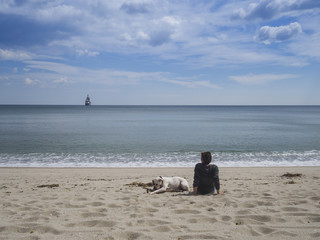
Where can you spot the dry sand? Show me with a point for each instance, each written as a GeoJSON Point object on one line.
{"type": "Point", "coordinates": [96, 203]}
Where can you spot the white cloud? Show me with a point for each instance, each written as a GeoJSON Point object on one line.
{"type": "Point", "coordinates": [13, 55]}
{"type": "Point", "coordinates": [190, 83]}
{"type": "Point", "coordinates": [62, 80]}
{"type": "Point", "coordinates": [29, 81]}
{"type": "Point", "coordinates": [136, 7]}
{"type": "Point", "coordinates": [86, 52]}
{"type": "Point", "coordinates": [261, 78]}
{"type": "Point", "coordinates": [268, 34]}
{"type": "Point", "coordinates": [171, 20]}
{"type": "Point", "coordinates": [266, 9]}
{"type": "Point", "coordinates": [143, 36]}
{"type": "Point", "coordinates": [57, 72]}
{"type": "Point", "coordinates": [309, 48]}
{"type": "Point", "coordinates": [4, 78]}
{"type": "Point", "coordinates": [187, 33]}
{"type": "Point", "coordinates": [57, 13]}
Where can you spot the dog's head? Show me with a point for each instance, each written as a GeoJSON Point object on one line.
{"type": "Point", "coordinates": [157, 183]}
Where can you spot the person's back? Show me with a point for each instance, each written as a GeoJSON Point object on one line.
{"type": "Point", "coordinates": [206, 176]}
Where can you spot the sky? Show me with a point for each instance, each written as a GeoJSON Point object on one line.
{"type": "Point", "coordinates": [160, 52]}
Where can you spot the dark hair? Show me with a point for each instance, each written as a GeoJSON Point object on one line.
{"type": "Point", "coordinates": [206, 157]}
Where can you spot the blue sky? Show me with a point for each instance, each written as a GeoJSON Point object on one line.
{"type": "Point", "coordinates": [195, 52]}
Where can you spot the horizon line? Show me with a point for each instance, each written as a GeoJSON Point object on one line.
{"type": "Point", "coordinates": [160, 105]}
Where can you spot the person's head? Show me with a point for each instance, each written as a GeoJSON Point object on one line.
{"type": "Point", "coordinates": [206, 157]}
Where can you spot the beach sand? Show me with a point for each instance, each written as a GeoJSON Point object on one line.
{"type": "Point", "coordinates": [103, 203]}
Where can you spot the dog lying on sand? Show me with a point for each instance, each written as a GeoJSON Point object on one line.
{"type": "Point", "coordinates": [164, 184]}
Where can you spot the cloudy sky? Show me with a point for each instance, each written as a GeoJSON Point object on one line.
{"type": "Point", "coordinates": [174, 52]}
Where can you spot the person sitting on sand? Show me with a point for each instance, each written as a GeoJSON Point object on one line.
{"type": "Point", "coordinates": [206, 176]}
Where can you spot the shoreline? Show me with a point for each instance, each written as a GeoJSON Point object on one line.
{"type": "Point", "coordinates": [103, 203]}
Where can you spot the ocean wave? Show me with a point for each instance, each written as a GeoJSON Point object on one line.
{"type": "Point", "coordinates": [169, 159]}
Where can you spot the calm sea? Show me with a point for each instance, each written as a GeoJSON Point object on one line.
{"type": "Point", "coordinates": [158, 136]}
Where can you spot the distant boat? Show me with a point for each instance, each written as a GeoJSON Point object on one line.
{"type": "Point", "coordinates": [87, 102]}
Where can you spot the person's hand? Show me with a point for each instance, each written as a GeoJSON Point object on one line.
{"type": "Point", "coordinates": [195, 190]}
{"type": "Point", "coordinates": [220, 193]}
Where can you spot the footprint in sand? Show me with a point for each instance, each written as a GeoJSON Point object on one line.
{"type": "Point", "coordinates": [162, 229]}
{"type": "Point", "coordinates": [31, 219]}
{"type": "Point", "coordinates": [192, 220]}
{"type": "Point", "coordinates": [98, 223]}
{"type": "Point", "coordinates": [247, 205]}
{"type": "Point", "coordinates": [225, 218]}
{"type": "Point", "coordinates": [265, 230]}
{"type": "Point", "coordinates": [199, 236]}
{"type": "Point", "coordinates": [149, 210]}
{"type": "Point", "coordinates": [185, 211]}
{"type": "Point", "coordinates": [293, 209]}
{"type": "Point", "coordinates": [211, 209]}
{"type": "Point", "coordinates": [69, 205]}
{"type": "Point", "coordinates": [157, 222]}
{"type": "Point", "coordinates": [254, 219]}
{"type": "Point", "coordinates": [32, 228]}
{"type": "Point", "coordinates": [315, 235]}
{"type": "Point", "coordinates": [46, 229]}
{"type": "Point", "coordinates": [210, 220]}
{"type": "Point", "coordinates": [92, 214]}
{"type": "Point", "coordinates": [112, 205]}
{"type": "Point", "coordinates": [243, 212]}
{"type": "Point", "coordinates": [127, 235]}
{"type": "Point", "coordinates": [82, 199]}
{"type": "Point", "coordinates": [96, 204]}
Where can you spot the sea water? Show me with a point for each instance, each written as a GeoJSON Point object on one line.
{"type": "Point", "coordinates": [158, 136]}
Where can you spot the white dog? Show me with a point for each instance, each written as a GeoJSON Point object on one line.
{"type": "Point", "coordinates": [163, 184]}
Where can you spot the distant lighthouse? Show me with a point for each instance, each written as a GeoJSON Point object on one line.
{"type": "Point", "coordinates": [87, 102]}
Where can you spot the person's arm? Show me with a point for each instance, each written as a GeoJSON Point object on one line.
{"type": "Point", "coordinates": [196, 179]}
{"type": "Point", "coordinates": [195, 190]}
{"type": "Point", "coordinates": [216, 179]}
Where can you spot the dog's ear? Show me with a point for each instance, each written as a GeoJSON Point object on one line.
{"type": "Point", "coordinates": [161, 182]}
{"type": "Point", "coordinates": [160, 177]}
{"type": "Point", "coordinates": [152, 182]}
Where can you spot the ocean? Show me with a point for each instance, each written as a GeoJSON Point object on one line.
{"type": "Point", "coordinates": [158, 136]}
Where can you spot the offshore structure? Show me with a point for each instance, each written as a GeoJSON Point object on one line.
{"type": "Point", "coordinates": [87, 102]}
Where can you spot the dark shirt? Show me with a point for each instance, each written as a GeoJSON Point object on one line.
{"type": "Point", "coordinates": [206, 177]}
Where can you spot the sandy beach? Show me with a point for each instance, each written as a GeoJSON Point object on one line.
{"type": "Point", "coordinates": [108, 203]}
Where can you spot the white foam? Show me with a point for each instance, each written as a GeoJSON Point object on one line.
{"type": "Point", "coordinates": [172, 159]}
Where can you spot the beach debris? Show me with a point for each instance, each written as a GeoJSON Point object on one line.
{"type": "Point", "coordinates": [238, 223]}
{"type": "Point", "coordinates": [98, 179]}
{"type": "Point", "coordinates": [48, 185]}
{"type": "Point", "coordinates": [291, 175]}
{"type": "Point", "coordinates": [143, 185]}
{"type": "Point", "coordinates": [290, 182]}
{"type": "Point", "coordinates": [140, 184]}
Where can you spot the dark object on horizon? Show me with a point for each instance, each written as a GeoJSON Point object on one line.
{"type": "Point", "coordinates": [87, 102]}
